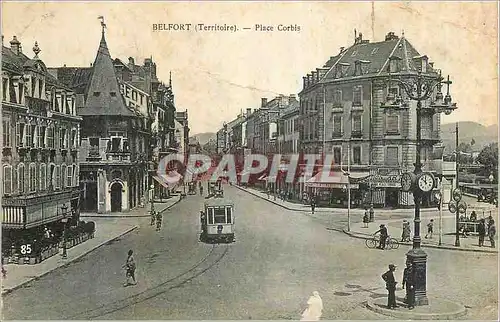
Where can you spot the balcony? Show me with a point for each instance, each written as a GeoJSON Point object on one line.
{"type": "Point", "coordinates": [356, 134]}
{"type": "Point", "coordinates": [118, 155]}
{"type": "Point", "coordinates": [337, 134]}
{"type": "Point", "coordinates": [94, 154]}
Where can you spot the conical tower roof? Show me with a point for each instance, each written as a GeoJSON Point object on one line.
{"type": "Point", "coordinates": [104, 97]}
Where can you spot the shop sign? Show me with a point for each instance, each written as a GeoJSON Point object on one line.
{"type": "Point", "coordinates": [390, 181]}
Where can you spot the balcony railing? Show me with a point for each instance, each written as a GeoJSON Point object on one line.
{"type": "Point", "coordinates": [94, 154]}
{"type": "Point", "coordinates": [117, 155]}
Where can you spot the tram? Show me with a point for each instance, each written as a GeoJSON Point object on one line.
{"type": "Point", "coordinates": [218, 222]}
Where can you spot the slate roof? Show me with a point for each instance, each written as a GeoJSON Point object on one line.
{"type": "Point", "coordinates": [375, 56]}
{"type": "Point", "coordinates": [18, 63]}
{"type": "Point", "coordinates": [109, 101]}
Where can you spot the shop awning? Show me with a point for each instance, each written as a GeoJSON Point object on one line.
{"type": "Point", "coordinates": [163, 183]}
{"type": "Point", "coordinates": [332, 180]}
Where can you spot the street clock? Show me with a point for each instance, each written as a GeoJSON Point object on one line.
{"type": "Point", "coordinates": [425, 182]}
{"type": "Point", "coordinates": [407, 180]}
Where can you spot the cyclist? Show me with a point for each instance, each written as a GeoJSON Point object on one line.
{"type": "Point", "coordinates": [383, 236]}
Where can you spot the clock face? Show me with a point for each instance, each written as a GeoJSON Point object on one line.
{"type": "Point", "coordinates": [425, 182]}
{"type": "Point", "coordinates": [406, 181]}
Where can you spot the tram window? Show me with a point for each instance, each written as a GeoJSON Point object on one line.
{"type": "Point", "coordinates": [220, 216]}
{"type": "Point", "coordinates": [229, 219]}
{"type": "Point", "coordinates": [210, 216]}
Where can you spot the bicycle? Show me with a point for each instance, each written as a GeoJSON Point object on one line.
{"type": "Point", "coordinates": [390, 243]}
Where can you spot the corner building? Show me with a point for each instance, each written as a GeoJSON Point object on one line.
{"type": "Point", "coordinates": [40, 143]}
{"type": "Point", "coordinates": [341, 113]}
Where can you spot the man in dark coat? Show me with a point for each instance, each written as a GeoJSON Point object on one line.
{"type": "Point", "coordinates": [390, 285]}
{"type": "Point", "coordinates": [410, 285]}
{"type": "Point", "coordinates": [383, 236]}
{"type": "Point", "coordinates": [481, 230]}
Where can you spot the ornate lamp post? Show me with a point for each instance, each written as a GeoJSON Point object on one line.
{"type": "Point", "coordinates": [420, 88]}
{"type": "Point", "coordinates": [65, 221]}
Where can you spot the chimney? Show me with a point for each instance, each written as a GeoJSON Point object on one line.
{"type": "Point", "coordinates": [249, 111]}
{"type": "Point", "coordinates": [291, 98]}
{"type": "Point", "coordinates": [15, 45]}
{"type": "Point", "coordinates": [263, 102]}
{"type": "Point", "coordinates": [391, 36]}
{"type": "Point", "coordinates": [131, 62]}
{"type": "Point", "coordinates": [341, 50]}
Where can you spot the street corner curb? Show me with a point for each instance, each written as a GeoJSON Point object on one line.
{"type": "Point", "coordinates": [67, 263]}
{"type": "Point", "coordinates": [269, 200]}
{"type": "Point", "coordinates": [169, 206]}
{"type": "Point", "coordinates": [473, 250]}
{"type": "Point", "coordinates": [444, 310]}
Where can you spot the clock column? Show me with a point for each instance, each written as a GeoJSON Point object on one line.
{"type": "Point", "coordinates": [416, 256]}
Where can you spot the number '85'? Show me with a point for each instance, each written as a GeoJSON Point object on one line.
{"type": "Point", "coordinates": [26, 249]}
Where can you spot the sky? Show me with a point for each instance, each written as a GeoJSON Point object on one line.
{"type": "Point", "coordinates": [217, 74]}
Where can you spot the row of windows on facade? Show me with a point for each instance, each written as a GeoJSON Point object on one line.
{"type": "Point", "coordinates": [310, 126]}
{"type": "Point", "coordinates": [116, 143]}
{"type": "Point", "coordinates": [35, 136]}
{"type": "Point", "coordinates": [22, 179]}
{"type": "Point", "coordinates": [391, 155]}
{"type": "Point", "coordinates": [61, 101]}
{"type": "Point", "coordinates": [336, 98]}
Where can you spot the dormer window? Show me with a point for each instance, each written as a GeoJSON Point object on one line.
{"type": "Point", "coordinates": [96, 94]}
{"type": "Point", "coordinates": [394, 65]}
{"type": "Point", "coordinates": [357, 68]}
{"type": "Point", "coordinates": [113, 94]}
{"type": "Point", "coordinates": [354, 53]}
{"type": "Point", "coordinates": [374, 51]}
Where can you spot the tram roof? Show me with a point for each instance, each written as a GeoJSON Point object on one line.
{"type": "Point", "coordinates": [218, 202]}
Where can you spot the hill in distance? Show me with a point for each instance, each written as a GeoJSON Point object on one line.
{"type": "Point", "coordinates": [482, 135]}
{"type": "Point", "coordinates": [203, 138]}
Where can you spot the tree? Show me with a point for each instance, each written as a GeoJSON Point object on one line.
{"type": "Point", "coordinates": [488, 157]}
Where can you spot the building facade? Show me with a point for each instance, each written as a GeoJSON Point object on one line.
{"type": "Point", "coordinates": [114, 136]}
{"type": "Point", "coordinates": [342, 113]}
{"type": "Point", "coordinates": [40, 143]}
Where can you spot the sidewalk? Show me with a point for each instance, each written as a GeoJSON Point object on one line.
{"type": "Point", "coordinates": [394, 226]}
{"type": "Point", "coordinates": [356, 211]}
{"type": "Point", "coordinates": [107, 229]}
{"type": "Point", "coordinates": [138, 211]}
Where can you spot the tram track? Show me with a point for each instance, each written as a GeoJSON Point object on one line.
{"type": "Point", "coordinates": [214, 256]}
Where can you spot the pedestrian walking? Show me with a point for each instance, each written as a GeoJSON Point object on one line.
{"type": "Point", "coordinates": [366, 219]}
{"type": "Point", "coordinates": [404, 231]}
{"type": "Point", "coordinates": [390, 285]}
{"type": "Point", "coordinates": [481, 230]}
{"type": "Point", "coordinates": [372, 214]}
{"type": "Point", "coordinates": [473, 216]}
{"type": "Point", "coordinates": [4, 271]}
{"type": "Point", "coordinates": [492, 231]}
{"type": "Point", "coordinates": [158, 221]}
{"type": "Point", "coordinates": [430, 227]}
{"type": "Point", "coordinates": [383, 236]}
{"type": "Point", "coordinates": [130, 267]}
{"type": "Point", "coordinates": [314, 308]}
{"type": "Point", "coordinates": [313, 203]}
{"type": "Point", "coordinates": [410, 285]}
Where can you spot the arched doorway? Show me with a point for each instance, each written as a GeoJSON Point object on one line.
{"type": "Point", "coordinates": [116, 197]}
